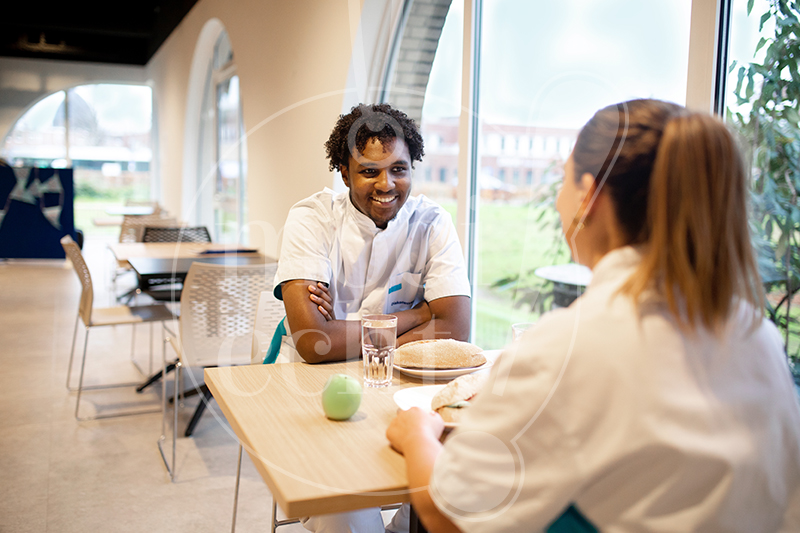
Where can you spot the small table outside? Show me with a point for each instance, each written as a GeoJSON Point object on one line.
{"type": "Point", "coordinates": [569, 281]}
{"type": "Point", "coordinates": [313, 465]}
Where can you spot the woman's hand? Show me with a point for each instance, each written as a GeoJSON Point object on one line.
{"type": "Point", "coordinates": [412, 425]}
{"type": "Point", "coordinates": [321, 296]}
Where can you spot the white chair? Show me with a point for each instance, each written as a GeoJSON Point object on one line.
{"type": "Point", "coordinates": [218, 309]}
{"type": "Point", "coordinates": [104, 316]}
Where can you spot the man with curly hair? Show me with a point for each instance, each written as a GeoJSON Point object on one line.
{"type": "Point", "coordinates": [373, 249]}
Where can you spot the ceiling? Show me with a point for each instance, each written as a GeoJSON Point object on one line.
{"type": "Point", "coordinates": [127, 32]}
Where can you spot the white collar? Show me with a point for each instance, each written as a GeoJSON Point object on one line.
{"type": "Point", "coordinates": [367, 224]}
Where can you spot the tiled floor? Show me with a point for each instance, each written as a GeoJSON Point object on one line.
{"type": "Point", "coordinates": [60, 475]}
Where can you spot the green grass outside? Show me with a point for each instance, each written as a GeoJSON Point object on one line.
{"type": "Point", "coordinates": [512, 242]}
{"type": "Point", "coordinates": [89, 209]}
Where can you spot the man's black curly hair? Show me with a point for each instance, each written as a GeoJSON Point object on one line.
{"type": "Point", "coordinates": [376, 121]}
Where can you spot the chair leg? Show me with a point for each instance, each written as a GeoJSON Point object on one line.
{"type": "Point", "coordinates": [133, 343]}
{"type": "Point", "coordinates": [274, 515]}
{"type": "Point", "coordinates": [178, 368]}
{"type": "Point", "coordinates": [155, 377]}
{"type": "Point", "coordinates": [80, 379]}
{"type": "Point", "coordinates": [236, 491]}
{"type": "Point", "coordinates": [150, 362]}
{"type": "Point", "coordinates": [72, 351]}
{"type": "Point", "coordinates": [201, 407]}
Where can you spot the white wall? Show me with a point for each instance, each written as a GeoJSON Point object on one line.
{"type": "Point", "coordinates": [23, 82]}
{"type": "Point", "coordinates": [292, 60]}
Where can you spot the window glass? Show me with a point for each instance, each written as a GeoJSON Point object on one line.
{"type": "Point", "coordinates": [103, 131]}
{"type": "Point", "coordinates": [229, 166]}
{"type": "Point", "coordinates": [763, 88]}
{"type": "Point", "coordinates": [109, 140]}
{"type": "Point", "coordinates": [38, 137]}
{"type": "Point", "coordinates": [440, 115]}
{"type": "Point", "coordinates": [222, 158]}
{"type": "Point", "coordinates": [545, 68]}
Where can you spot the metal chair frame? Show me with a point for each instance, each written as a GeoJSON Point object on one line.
{"type": "Point", "coordinates": [105, 316]}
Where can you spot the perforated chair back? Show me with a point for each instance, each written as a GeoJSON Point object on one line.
{"type": "Point", "coordinates": [133, 227]}
{"type": "Point", "coordinates": [87, 291]}
{"type": "Point", "coordinates": [167, 234]}
{"type": "Point", "coordinates": [218, 309]}
{"type": "Point", "coordinates": [270, 313]}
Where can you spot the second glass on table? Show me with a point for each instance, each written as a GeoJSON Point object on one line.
{"type": "Point", "coordinates": [518, 329]}
{"type": "Point", "coordinates": [378, 339]}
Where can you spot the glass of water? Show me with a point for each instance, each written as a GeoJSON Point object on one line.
{"type": "Point", "coordinates": [518, 329]}
{"type": "Point", "coordinates": [378, 338]}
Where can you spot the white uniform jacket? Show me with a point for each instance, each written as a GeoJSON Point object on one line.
{"type": "Point", "coordinates": [610, 409]}
{"type": "Point", "coordinates": [370, 270]}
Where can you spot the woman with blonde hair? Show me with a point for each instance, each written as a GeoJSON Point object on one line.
{"type": "Point", "coordinates": [661, 400]}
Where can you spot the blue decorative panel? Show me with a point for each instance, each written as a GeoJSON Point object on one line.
{"type": "Point", "coordinates": [36, 211]}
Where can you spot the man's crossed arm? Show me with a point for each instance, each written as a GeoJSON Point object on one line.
{"type": "Point", "coordinates": [319, 336]}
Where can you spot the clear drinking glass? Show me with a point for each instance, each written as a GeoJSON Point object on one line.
{"type": "Point", "coordinates": [378, 339]}
{"type": "Point", "coordinates": [519, 328]}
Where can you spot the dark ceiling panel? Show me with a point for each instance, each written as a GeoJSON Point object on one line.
{"type": "Point", "coordinates": [89, 31]}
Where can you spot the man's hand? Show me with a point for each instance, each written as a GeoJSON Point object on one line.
{"type": "Point", "coordinates": [321, 296]}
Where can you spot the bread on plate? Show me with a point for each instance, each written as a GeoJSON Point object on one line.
{"type": "Point", "coordinates": [453, 400]}
{"type": "Point", "coordinates": [439, 354]}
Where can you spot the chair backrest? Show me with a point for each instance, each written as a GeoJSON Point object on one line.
{"type": "Point", "coordinates": [87, 292]}
{"type": "Point", "coordinates": [168, 234]}
{"type": "Point", "coordinates": [269, 314]}
{"type": "Point", "coordinates": [218, 309]}
{"type": "Point", "coordinates": [133, 226]}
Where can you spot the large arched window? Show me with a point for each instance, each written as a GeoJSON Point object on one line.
{"type": "Point", "coordinates": [540, 70]}
{"type": "Point", "coordinates": [103, 131]}
{"type": "Point", "coordinates": [222, 154]}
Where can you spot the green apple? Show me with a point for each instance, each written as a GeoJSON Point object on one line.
{"type": "Point", "coordinates": [341, 397]}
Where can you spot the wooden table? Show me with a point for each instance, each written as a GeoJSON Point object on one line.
{"type": "Point", "coordinates": [170, 250]}
{"type": "Point", "coordinates": [313, 465]}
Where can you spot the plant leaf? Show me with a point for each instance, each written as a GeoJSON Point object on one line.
{"type": "Point", "coordinates": [764, 18]}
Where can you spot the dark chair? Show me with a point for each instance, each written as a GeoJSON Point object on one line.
{"type": "Point", "coordinates": [166, 234]}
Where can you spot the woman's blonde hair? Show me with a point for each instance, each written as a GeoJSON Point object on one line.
{"type": "Point", "coordinates": [679, 187]}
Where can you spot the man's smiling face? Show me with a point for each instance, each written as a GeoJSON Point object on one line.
{"type": "Point", "coordinates": [379, 179]}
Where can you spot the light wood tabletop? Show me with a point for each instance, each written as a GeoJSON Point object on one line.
{"type": "Point", "coordinates": [313, 465]}
{"type": "Point", "coordinates": [170, 250]}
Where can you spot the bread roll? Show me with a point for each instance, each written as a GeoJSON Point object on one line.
{"type": "Point", "coordinates": [439, 354]}
{"type": "Point", "coordinates": [461, 389]}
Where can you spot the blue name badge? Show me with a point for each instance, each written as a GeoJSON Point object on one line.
{"type": "Point", "coordinates": [395, 288]}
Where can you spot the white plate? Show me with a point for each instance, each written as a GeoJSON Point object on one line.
{"type": "Point", "coordinates": [416, 396]}
{"type": "Point", "coordinates": [490, 355]}
{"type": "Point", "coordinates": [419, 397]}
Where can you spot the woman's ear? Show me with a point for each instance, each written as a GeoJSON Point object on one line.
{"type": "Point", "coordinates": [345, 176]}
{"type": "Point", "coordinates": [587, 187]}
